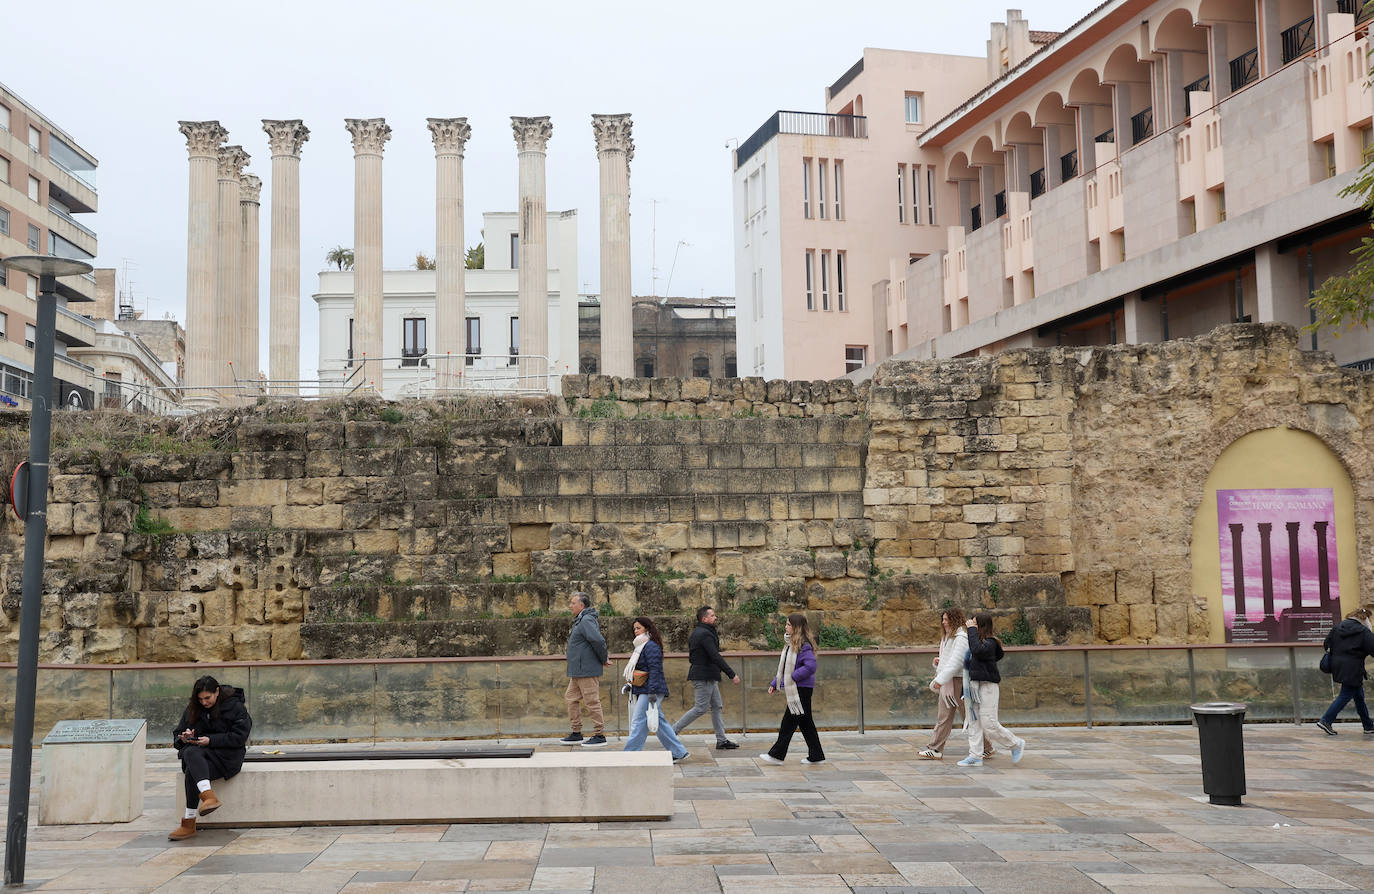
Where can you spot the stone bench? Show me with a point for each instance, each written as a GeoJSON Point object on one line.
{"type": "Point", "coordinates": [574, 786]}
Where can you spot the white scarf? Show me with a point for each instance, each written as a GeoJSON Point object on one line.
{"type": "Point", "coordinates": [787, 663]}
{"type": "Point", "coordinates": [634, 659]}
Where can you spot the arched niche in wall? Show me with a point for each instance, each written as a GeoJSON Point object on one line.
{"type": "Point", "coordinates": [1278, 486]}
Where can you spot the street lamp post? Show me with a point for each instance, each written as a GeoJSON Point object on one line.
{"type": "Point", "coordinates": [47, 269]}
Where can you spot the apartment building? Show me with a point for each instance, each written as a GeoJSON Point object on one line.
{"type": "Point", "coordinates": [1159, 168]}
{"type": "Point", "coordinates": [46, 181]}
{"type": "Point", "coordinates": [491, 319]}
{"type": "Point", "coordinates": [823, 201]}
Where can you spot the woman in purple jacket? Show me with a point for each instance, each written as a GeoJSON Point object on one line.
{"type": "Point", "coordinates": [796, 677]}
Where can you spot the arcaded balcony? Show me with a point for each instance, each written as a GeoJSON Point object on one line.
{"type": "Point", "coordinates": [954, 272]}
{"type": "Point", "coordinates": [1338, 91]}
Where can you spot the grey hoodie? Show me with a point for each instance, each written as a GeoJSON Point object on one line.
{"type": "Point", "coordinates": [586, 645]}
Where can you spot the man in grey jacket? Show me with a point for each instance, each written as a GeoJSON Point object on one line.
{"type": "Point", "coordinates": [586, 657]}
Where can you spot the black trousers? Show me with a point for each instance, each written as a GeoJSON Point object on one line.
{"type": "Point", "coordinates": [199, 763]}
{"type": "Point", "coordinates": [806, 723]}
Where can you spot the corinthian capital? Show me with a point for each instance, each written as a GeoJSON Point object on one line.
{"type": "Point", "coordinates": [203, 137]}
{"type": "Point", "coordinates": [250, 188]}
{"type": "Point", "coordinates": [613, 134]}
{"type": "Point", "coordinates": [531, 134]}
{"type": "Point", "coordinates": [369, 134]}
{"type": "Point", "coordinates": [232, 160]}
{"type": "Point", "coordinates": [450, 135]}
{"type": "Point", "coordinates": [285, 137]}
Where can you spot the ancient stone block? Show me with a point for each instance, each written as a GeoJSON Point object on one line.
{"type": "Point", "coordinates": [86, 518]}
{"type": "Point", "coordinates": [1134, 587]}
{"type": "Point", "coordinates": [1113, 622]}
{"type": "Point", "coordinates": [200, 493]}
{"type": "Point", "coordinates": [59, 518]}
{"type": "Point", "coordinates": [510, 564]}
{"type": "Point", "coordinates": [326, 516]}
{"type": "Point", "coordinates": [1143, 626]}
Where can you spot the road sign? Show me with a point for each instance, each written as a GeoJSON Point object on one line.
{"type": "Point", "coordinates": [19, 490]}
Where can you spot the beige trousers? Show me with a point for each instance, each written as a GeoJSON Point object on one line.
{"type": "Point", "coordinates": [584, 691]}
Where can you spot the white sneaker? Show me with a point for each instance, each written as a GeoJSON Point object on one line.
{"type": "Point", "coordinates": [807, 760]}
{"type": "Point", "coordinates": [769, 759]}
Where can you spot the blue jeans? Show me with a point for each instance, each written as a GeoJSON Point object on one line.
{"type": "Point", "coordinates": [1347, 693]}
{"type": "Point", "coordinates": [639, 728]}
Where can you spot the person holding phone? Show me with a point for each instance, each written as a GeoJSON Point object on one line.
{"type": "Point", "coordinates": [211, 741]}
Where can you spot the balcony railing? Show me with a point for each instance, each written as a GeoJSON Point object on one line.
{"type": "Point", "coordinates": [1201, 85]}
{"type": "Point", "coordinates": [817, 124]}
{"type": "Point", "coordinates": [1298, 40]}
{"type": "Point", "coordinates": [1244, 69]}
{"type": "Point", "coordinates": [1357, 8]}
{"type": "Point", "coordinates": [86, 177]}
{"type": "Point", "coordinates": [1068, 165]}
{"type": "Point", "coordinates": [1142, 125]}
{"type": "Point", "coordinates": [1037, 183]}
{"type": "Point", "coordinates": [975, 215]}
{"type": "Point", "coordinates": [55, 209]}
{"type": "Point", "coordinates": [1107, 136]}
{"type": "Point", "coordinates": [999, 204]}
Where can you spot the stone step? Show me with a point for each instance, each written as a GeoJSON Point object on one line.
{"type": "Point", "coordinates": [672, 457]}
{"type": "Point", "coordinates": [709, 432]}
{"type": "Point", "coordinates": [680, 482]}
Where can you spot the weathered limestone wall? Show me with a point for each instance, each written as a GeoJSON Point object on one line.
{"type": "Point", "coordinates": [1054, 487]}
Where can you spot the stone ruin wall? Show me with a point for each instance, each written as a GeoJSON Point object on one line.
{"type": "Point", "coordinates": [1054, 485]}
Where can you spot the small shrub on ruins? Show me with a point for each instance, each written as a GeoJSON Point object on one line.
{"type": "Point", "coordinates": [1020, 633]}
{"type": "Point", "coordinates": [837, 636]}
{"type": "Point", "coordinates": [391, 416]}
{"type": "Point", "coordinates": [761, 606]}
{"type": "Point", "coordinates": [601, 408]}
{"type": "Point", "coordinates": [147, 523]}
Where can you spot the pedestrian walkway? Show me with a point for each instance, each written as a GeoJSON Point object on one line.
{"type": "Point", "coordinates": [1107, 809]}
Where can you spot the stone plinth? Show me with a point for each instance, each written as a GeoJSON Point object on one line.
{"type": "Point", "coordinates": [92, 772]}
{"type": "Point", "coordinates": [547, 787]}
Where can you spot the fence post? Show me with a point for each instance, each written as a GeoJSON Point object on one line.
{"type": "Point", "coordinates": [744, 696]}
{"type": "Point", "coordinates": [859, 676]}
{"type": "Point", "coordinates": [1192, 680]}
{"type": "Point", "coordinates": [1087, 690]}
{"type": "Point", "coordinates": [1293, 681]}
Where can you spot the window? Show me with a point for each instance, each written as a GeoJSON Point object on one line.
{"type": "Point", "coordinates": [839, 281]}
{"type": "Point", "coordinates": [16, 382]}
{"type": "Point", "coordinates": [646, 367]}
{"type": "Point", "coordinates": [854, 357]}
{"type": "Point", "coordinates": [4, 117]}
{"type": "Point", "coordinates": [701, 367]}
{"type": "Point", "coordinates": [350, 341]}
{"type": "Point", "coordinates": [35, 138]}
{"type": "Point", "coordinates": [4, 325]}
{"type": "Point", "coordinates": [413, 342]}
{"type": "Point", "coordinates": [4, 170]}
{"type": "Point", "coordinates": [930, 195]}
{"type": "Point", "coordinates": [30, 335]}
{"type": "Point", "coordinates": [473, 325]}
{"type": "Point", "coordinates": [35, 238]}
{"type": "Point", "coordinates": [31, 287]}
{"type": "Point", "coordinates": [1221, 204]}
{"type": "Point", "coordinates": [33, 188]}
{"type": "Point", "coordinates": [4, 221]}
{"type": "Point", "coordinates": [515, 251]}
{"type": "Point", "coordinates": [731, 368]}
{"type": "Point", "coordinates": [901, 193]}
{"type": "Point", "coordinates": [588, 365]}
{"type": "Point", "coordinates": [916, 194]}
{"type": "Point", "coordinates": [839, 188]}
{"type": "Point", "coordinates": [913, 108]}
{"type": "Point", "coordinates": [806, 188]}
{"type": "Point", "coordinates": [1330, 148]}
{"type": "Point", "coordinates": [514, 339]}
{"type": "Point", "coordinates": [825, 280]}
{"type": "Point", "coordinates": [4, 276]}
{"type": "Point", "coordinates": [822, 175]}
{"type": "Point", "coordinates": [110, 400]}
{"type": "Point", "coordinates": [810, 290]}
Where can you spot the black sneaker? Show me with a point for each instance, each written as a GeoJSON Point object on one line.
{"type": "Point", "coordinates": [594, 742]}
{"type": "Point", "coordinates": [571, 738]}
{"type": "Point", "coordinates": [726, 745]}
{"type": "Point", "coordinates": [1370, 731]}
{"type": "Point", "coordinates": [1325, 727]}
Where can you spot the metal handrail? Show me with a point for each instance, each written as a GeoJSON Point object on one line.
{"type": "Point", "coordinates": [1244, 68]}
{"type": "Point", "coordinates": [91, 186]}
{"type": "Point", "coordinates": [1298, 40]}
{"type": "Point", "coordinates": [821, 124]}
{"type": "Point", "coordinates": [1068, 165]}
{"type": "Point", "coordinates": [1142, 124]}
{"type": "Point", "coordinates": [52, 206]}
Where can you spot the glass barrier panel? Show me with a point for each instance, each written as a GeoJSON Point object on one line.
{"type": "Point", "coordinates": [67, 695]}
{"type": "Point", "coordinates": [835, 700]}
{"type": "Point", "coordinates": [1260, 678]}
{"type": "Point", "coordinates": [445, 700]}
{"type": "Point", "coordinates": [159, 695]}
{"type": "Point", "coordinates": [1040, 687]}
{"type": "Point", "coordinates": [1139, 686]}
{"type": "Point", "coordinates": [1315, 689]}
{"type": "Point", "coordinates": [532, 704]}
{"type": "Point", "coordinates": [313, 702]}
{"type": "Point", "coordinates": [897, 691]}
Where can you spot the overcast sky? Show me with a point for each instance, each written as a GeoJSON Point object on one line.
{"type": "Point", "coordinates": [118, 76]}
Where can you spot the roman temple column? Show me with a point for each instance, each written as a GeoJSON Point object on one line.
{"type": "Point", "coordinates": [531, 137]}
{"type": "Point", "coordinates": [246, 358]}
{"type": "Point", "coordinates": [450, 349]}
{"type": "Point", "coordinates": [229, 276]}
{"type": "Point", "coordinates": [284, 289]}
{"type": "Point", "coordinates": [369, 138]}
{"type": "Point", "coordinates": [203, 139]}
{"type": "Point", "coordinates": [615, 148]}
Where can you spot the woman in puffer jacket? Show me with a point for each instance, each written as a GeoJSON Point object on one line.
{"type": "Point", "coordinates": [949, 679]}
{"type": "Point", "coordinates": [1349, 643]}
{"type": "Point", "coordinates": [648, 657]}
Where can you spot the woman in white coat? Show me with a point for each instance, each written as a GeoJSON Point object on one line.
{"type": "Point", "coordinates": [949, 680]}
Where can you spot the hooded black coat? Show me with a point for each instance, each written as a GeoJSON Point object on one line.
{"type": "Point", "coordinates": [227, 725]}
{"type": "Point", "coordinates": [1349, 643]}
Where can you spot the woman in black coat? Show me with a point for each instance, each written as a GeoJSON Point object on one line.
{"type": "Point", "coordinates": [211, 740]}
{"type": "Point", "coordinates": [1349, 642]}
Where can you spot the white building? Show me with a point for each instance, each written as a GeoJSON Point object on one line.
{"type": "Point", "coordinates": [489, 357]}
{"type": "Point", "coordinates": [127, 374]}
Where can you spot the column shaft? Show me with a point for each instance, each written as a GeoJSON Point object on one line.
{"type": "Point", "coordinates": [615, 148]}
{"type": "Point", "coordinates": [449, 348]}
{"type": "Point", "coordinates": [532, 135]}
{"type": "Point", "coordinates": [203, 139]}
{"type": "Point", "coordinates": [247, 359]}
{"type": "Point", "coordinates": [284, 286]}
{"type": "Point", "coordinates": [369, 135]}
{"type": "Point", "coordinates": [229, 273]}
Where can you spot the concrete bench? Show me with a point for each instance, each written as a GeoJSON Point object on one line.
{"type": "Point", "coordinates": [546, 787]}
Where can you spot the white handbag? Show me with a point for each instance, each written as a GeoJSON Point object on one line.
{"type": "Point", "coordinates": [651, 716]}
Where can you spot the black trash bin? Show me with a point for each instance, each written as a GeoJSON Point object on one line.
{"type": "Point", "coordinates": [1219, 732]}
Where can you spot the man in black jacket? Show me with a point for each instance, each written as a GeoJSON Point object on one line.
{"type": "Point", "coordinates": [704, 674]}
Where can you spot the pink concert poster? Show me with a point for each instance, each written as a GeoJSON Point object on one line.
{"type": "Point", "coordinates": [1279, 581]}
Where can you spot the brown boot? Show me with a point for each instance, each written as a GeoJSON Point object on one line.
{"type": "Point", "coordinates": [184, 831]}
{"type": "Point", "coordinates": [208, 802]}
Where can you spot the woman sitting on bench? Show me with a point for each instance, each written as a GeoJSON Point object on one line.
{"type": "Point", "coordinates": [211, 740]}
